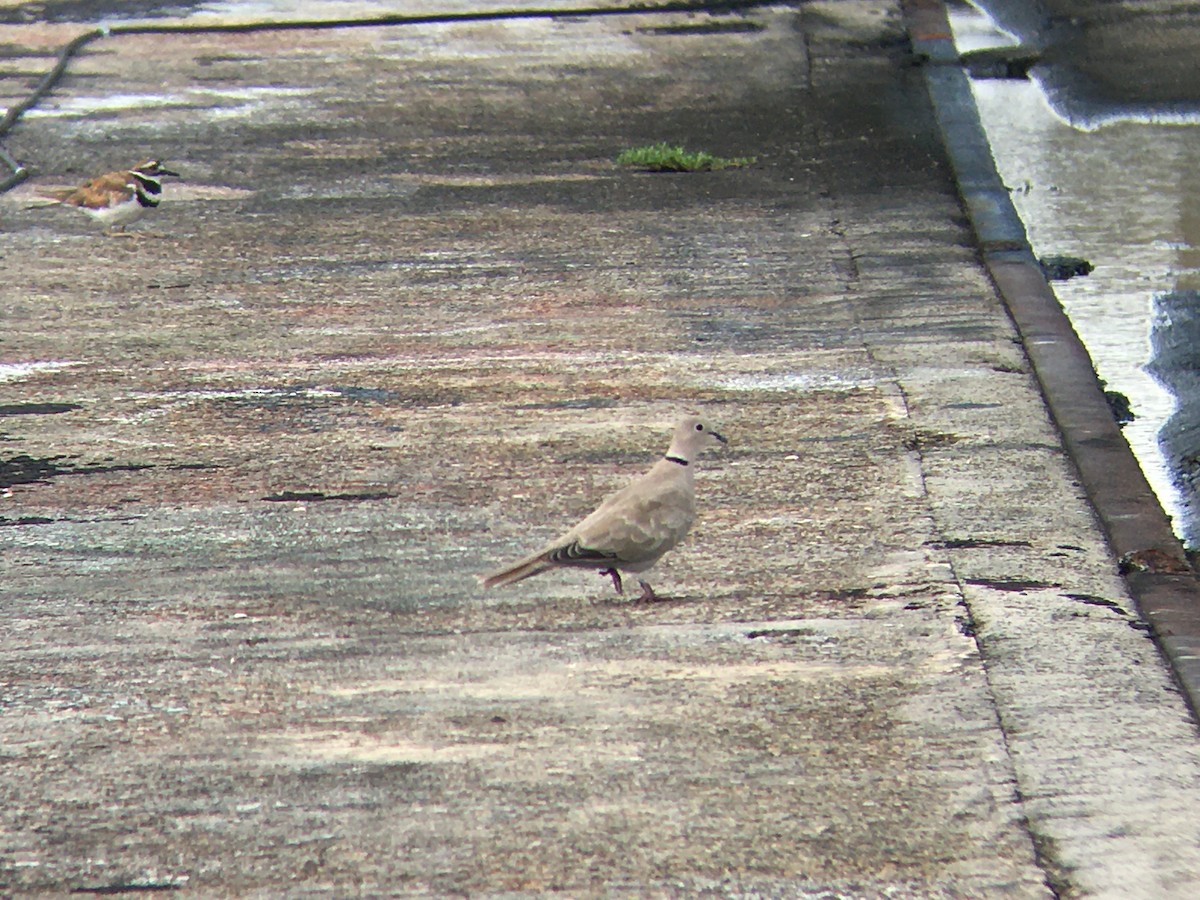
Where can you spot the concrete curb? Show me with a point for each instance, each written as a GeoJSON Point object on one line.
{"type": "Point", "coordinates": [1156, 570]}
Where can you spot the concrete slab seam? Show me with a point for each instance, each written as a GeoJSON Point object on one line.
{"type": "Point", "coordinates": [967, 622]}
{"type": "Point", "coordinates": [1138, 530]}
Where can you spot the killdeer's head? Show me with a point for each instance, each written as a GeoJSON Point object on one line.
{"type": "Point", "coordinates": [151, 169]}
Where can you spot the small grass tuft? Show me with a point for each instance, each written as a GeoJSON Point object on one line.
{"type": "Point", "coordinates": [665, 158]}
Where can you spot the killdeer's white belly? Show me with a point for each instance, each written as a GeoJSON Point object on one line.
{"type": "Point", "coordinates": [118, 214]}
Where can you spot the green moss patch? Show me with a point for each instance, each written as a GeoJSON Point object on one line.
{"type": "Point", "coordinates": [665, 158]}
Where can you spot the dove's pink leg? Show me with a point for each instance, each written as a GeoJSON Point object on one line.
{"type": "Point", "coordinates": [616, 579]}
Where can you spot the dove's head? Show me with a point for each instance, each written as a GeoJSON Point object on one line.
{"type": "Point", "coordinates": [692, 435]}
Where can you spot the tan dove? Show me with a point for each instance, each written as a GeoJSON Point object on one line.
{"type": "Point", "coordinates": [633, 528]}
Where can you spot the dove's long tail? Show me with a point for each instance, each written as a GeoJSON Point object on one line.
{"type": "Point", "coordinates": [571, 554]}
{"type": "Point", "coordinates": [526, 568]}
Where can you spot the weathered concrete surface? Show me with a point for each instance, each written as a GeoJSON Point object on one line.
{"type": "Point", "coordinates": [405, 318]}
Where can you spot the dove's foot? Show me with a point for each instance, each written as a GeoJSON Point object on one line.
{"type": "Point", "coordinates": [647, 591]}
{"type": "Point", "coordinates": [616, 579]}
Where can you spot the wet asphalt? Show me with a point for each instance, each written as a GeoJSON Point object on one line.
{"type": "Point", "coordinates": [402, 318]}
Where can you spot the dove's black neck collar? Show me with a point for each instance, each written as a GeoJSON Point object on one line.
{"type": "Point", "coordinates": [676, 459]}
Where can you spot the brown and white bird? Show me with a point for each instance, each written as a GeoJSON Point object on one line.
{"type": "Point", "coordinates": [118, 198]}
{"type": "Point", "coordinates": [632, 529]}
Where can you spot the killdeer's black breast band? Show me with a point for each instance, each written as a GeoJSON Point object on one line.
{"type": "Point", "coordinates": [151, 185]}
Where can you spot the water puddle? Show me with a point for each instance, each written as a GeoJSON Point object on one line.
{"type": "Point", "coordinates": [216, 103]}
{"type": "Point", "coordinates": [19, 371]}
{"type": "Point", "coordinates": [1123, 197]}
{"type": "Point", "coordinates": [799, 382]}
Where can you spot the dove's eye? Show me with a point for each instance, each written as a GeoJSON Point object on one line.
{"type": "Point", "coordinates": [699, 426]}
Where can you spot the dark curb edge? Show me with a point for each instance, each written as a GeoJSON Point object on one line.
{"type": "Point", "coordinates": [1153, 562]}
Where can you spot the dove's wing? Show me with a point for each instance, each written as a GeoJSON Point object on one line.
{"type": "Point", "coordinates": [640, 523]}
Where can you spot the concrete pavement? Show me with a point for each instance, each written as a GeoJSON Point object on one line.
{"type": "Point", "coordinates": [405, 318]}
